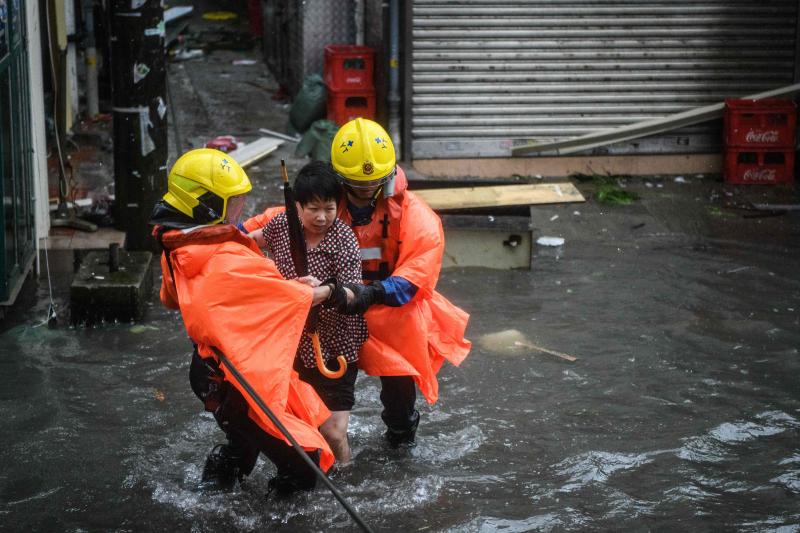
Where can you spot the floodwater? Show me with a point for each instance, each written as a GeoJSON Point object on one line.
{"type": "Point", "coordinates": [681, 413]}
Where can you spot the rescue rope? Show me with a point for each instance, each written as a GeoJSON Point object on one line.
{"type": "Point", "coordinates": [303, 455]}
{"type": "Point", "coordinates": [51, 310]}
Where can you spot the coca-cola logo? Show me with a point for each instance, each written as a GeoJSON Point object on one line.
{"type": "Point", "coordinates": [754, 136]}
{"type": "Point", "coordinates": [759, 174]}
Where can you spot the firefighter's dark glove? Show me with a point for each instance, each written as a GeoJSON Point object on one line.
{"type": "Point", "coordinates": [338, 298]}
{"type": "Point", "coordinates": [365, 296]}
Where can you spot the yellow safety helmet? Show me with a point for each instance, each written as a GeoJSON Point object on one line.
{"type": "Point", "coordinates": [201, 182]}
{"type": "Point", "coordinates": [363, 155]}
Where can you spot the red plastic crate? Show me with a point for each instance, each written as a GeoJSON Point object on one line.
{"type": "Point", "coordinates": [344, 106]}
{"type": "Point", "coordinates": [348, 67]}
{"type": "Point", "coordinates": [759, 166]}
{"type": "Point", "coordinates": [767, 123]}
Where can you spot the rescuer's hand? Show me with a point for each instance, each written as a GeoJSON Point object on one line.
{"type": "Point", "coordinates": [364, 296]}
{"type": "Point", "coordinates": [338, 297]}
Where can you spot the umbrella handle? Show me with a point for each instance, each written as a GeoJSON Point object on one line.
{"type": "Point", "coordinates": [321, 362]}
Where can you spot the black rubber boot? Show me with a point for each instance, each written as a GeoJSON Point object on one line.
{"type": "Point", "coordinates": [403, 438]}
{"type": "Point", "coordinates": [283, 486]}
{"type": "Point", "coordinates": [224, 466]}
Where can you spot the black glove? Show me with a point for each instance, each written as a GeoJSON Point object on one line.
{"type": "Point", "coordinates": [338, 298]}
{"type": "Point", "coordinates": [365, 296]}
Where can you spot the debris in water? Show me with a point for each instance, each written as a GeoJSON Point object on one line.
{"type": "Point", "coordinates": [550, 241]}
{"type": "Point", "coordinates": [139, 328]}
{"type": "Point", "coordinates": [505, 342]}
{"type": "Point", "coordinates": [608, 193]}
{"type": "Point", "coordinates": [159, 395]}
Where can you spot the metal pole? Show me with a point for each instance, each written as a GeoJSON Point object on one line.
{"type": "Point", "coordinates": [358, 15]}
{"type": "Point", "coordinates": [394, 77]}
{"type": "Point", "coordinates": [138, 76]}
{"type": "Point", "coordinates": [90, 53]}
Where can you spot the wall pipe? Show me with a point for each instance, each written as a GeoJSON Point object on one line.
{"type": "Point", "coordinates": [90, 54]}
{"type": "Point", "coordinates": [359, 20]}
{"type": "Point", "coordinates": [394, 77]}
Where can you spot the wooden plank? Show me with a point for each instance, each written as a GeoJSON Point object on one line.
{"type": "Point", "coordinates": [501, 195]}
{"type": "Point", "coordinates": [255, 151]}
{"type": "Point", "coordinates": [562, 355]}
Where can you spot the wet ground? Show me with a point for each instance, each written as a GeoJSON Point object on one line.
{"type": "Point", "coordinates": [682, 412]}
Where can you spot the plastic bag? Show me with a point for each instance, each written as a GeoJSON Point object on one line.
{"type": "Point", "coordinates": [309, 104]}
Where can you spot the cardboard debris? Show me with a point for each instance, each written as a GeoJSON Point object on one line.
{"type": "Point", "coordinates": [501, 195]}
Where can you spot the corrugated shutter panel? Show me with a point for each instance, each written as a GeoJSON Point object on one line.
{"type": "Point", "coordinates": [487, 73]}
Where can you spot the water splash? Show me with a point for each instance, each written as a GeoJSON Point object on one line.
{"type": "Point", "coordinates": [448, 447]}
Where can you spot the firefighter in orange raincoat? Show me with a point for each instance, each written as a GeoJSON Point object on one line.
{"type": "Point", "coordinates": [233, 299]}
{"type": "Point", "coordinates": [412, 328]}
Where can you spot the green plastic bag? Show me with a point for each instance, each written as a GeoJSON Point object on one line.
{"type": "Point", "coordinates": [317, 141]}
{"type": "Point", "coordinates": [309, 104]}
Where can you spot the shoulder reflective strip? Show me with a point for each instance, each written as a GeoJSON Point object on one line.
{"type": "Point", "coordinates": [370, 253]}
{"type": "Point", "coordinates": [189, 230]}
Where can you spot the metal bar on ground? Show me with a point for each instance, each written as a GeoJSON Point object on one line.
{"type": "Point", "coordinates": [279, 135]}
{"type": "Point", "coordinates": [562, 355]}
{"type": "Point", "coordinates": [777, 207]}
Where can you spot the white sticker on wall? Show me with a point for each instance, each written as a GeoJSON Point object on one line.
{"type": "Point", "coordinates": [140, 70]}
{"type": "Point", "coordinates": [146, 141]}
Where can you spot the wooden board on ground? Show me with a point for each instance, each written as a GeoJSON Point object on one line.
{"type": "Point", "coordinates": [253, 152]}
{"type": "Point", "coordinates": [501, 195]}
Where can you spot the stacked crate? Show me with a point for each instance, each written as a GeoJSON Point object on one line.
{"type": "Point", "coordinates": [759, 140]}
{"type": "Point", "coordinates": [348, 75]}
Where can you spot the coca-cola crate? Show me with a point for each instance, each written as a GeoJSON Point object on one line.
{"type": "Point", "coordinates": [344, 106]}
{"type": "Point", "coordinates": [348, 67]}
{"type": "Point", "coordinates": [767, 123]}
{"type": "Point", "coordinates": [759, 166]}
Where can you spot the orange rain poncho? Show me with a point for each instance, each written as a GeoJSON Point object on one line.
{"type": "Point", "coordinates": [233, 298]}
{"type": "Point", "coordinates": [416, 338]}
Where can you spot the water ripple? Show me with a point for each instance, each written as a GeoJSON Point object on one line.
{"type": "Point", "coordinates": [791, 478]}
{"type": "Point", "coordinates": [545, 522]}
{"type": "Point", "coordinates": [597, 467]}
{"type": "Point", "coordinates": [715, 446]}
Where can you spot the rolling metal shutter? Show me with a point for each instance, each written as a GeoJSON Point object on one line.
{"type": "Point", "coordinates": [487, 73]}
